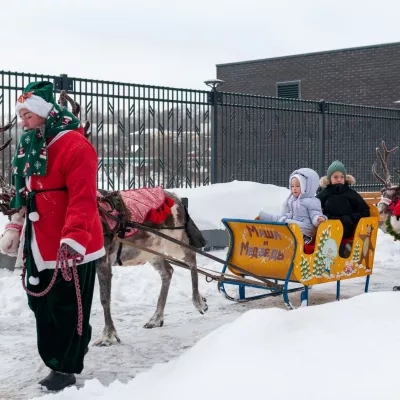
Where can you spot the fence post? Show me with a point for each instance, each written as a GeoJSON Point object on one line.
{"type": "Point", "coordinates": [63, 83]}
{"type": "Point", "coordinates": [321, 138]}
{"type": "Point", "coordinates": [214, 97]}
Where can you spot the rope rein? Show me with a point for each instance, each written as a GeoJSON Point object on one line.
{"type": "Point", "coordinates": [62, 264]}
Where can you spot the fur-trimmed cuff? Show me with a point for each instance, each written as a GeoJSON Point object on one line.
{"type": "Point", "coordinates": [13, 226]}
{"type": "Point", "coordinates": [324, 181]}
{"type": "Point", "coordinates": [315, 219]}
{"type": "Point", "coordinates": [75, 245]}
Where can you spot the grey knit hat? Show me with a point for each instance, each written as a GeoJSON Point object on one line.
{"type": "Point", "coordinates": [334, 167]}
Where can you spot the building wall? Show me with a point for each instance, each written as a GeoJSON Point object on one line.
{"type": "Point", "coordinates": [368, 75]}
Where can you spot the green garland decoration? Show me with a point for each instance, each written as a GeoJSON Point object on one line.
{"type": "Point", "coordinates": [390, 230]}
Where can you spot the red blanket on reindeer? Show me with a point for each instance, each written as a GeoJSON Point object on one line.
{"type": "Point", "coordinates": [139, 205]}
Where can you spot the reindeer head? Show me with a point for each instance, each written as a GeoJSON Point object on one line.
{"type": "Point", "coordinates": [7, 192]}
{"type": "Point", "coordinates": [390, 192]}
{"type": "Point", "coordinates": [76, 109]}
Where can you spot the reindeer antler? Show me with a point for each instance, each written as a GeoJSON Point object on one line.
{"type": "Point", "coordinates": [7, 192]}
{"type": "Point", "coordinates": [387, 180]}
{"type": "Point", "coordinates": [87, 126]}
{"type": "Point", "coordinates": [9, 125]}
{"type": "Point", "coordinates": [76, 108]}
{"type": "Point", "coordinates": [5, 145]}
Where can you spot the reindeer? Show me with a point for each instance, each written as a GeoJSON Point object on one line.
{"type": "Point", "coordinates": [390, 192]}
{"type": "Point", "coordinates": [129, 255]}
{"type": "Point", "coordinates": [389, 204]}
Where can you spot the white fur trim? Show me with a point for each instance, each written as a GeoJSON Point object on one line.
{"type": "Point", "coordinates": [75, 245]}
{"type": "Point", "coordinates": [59, 136]}
{"type": "Point", "coordinates": [28, 183]}
{"type": "Point", "coordinates": [42, 265]}
{"type": "Point", "coordinates": [9, 226]}
{"type": "Point", "coordinates": [324, 181]}
{"type": "Point", "coordinates": [315, 219]}
{"type": "Point", "coordinates": [36, 105]}
{"type": "Point", "coordinates": [350, 179]}
{"type": "Point", "coordinates": [33, 280]}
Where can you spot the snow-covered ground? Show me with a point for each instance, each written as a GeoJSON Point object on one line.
{"type": "Point", "coordinates": [345, 350]}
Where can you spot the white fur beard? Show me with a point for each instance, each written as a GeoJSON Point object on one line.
{"type": "Point", "coordinates": [395, 223]}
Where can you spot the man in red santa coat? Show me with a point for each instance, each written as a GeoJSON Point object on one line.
{"type": "Point", "coordinates": [55, 179]}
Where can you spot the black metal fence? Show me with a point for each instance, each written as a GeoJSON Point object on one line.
{"type": "Point", "coordinates": [147, 135]}
{"type": "Point", "coordinates": [263, 139]}
{"type": "Point", "coordinates": [143, 135]}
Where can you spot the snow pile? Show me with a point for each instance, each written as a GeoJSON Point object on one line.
{"type": "Point", "coordinates": [318, 352]}
{"type": "Point", "coordinates": [209, 204]}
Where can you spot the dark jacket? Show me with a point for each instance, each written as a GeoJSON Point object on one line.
{"type": "Point", "coordinates": [345, 204]}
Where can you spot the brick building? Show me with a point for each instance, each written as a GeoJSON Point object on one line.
{"type": "Point", "coordinates": [367, 75]}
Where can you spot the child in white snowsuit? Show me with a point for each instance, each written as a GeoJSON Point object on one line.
{"type": "Point", "coordinates": [301, 207]}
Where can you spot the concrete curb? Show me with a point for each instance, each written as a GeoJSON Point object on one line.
{"type": "Point", "coordinates": [216, 239]}
{"type": "Point", "coordinates": [7, 262]}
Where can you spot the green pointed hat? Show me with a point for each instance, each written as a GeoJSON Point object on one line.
{"type": "Point", "coordinates": [37, 98]}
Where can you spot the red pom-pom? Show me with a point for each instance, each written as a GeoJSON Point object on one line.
{"type": "Point", "coordinates": [169, 202]}
{"type": "Point", "coordinates": [396, 210]}
{"type": "Point", "coordinates": [159, 215]}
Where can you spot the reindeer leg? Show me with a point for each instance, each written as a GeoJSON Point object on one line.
{"type": "Point", "coordinates": [199, 301]}
{"type": "Point", "coordinates": [104, 273]}
{"type": "Point", "coordinates": [5, 145]}
{"type": "Point", "coordinates": [165, 270]}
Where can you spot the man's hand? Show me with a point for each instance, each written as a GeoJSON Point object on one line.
{"type": "Point", "coordinates": [66, 252]}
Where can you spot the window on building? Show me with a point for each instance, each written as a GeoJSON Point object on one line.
{"type": "Point", "coordinates": [290, 90]}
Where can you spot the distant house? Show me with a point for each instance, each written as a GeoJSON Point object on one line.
{"type": "Point", "coordinates": [367, 75]}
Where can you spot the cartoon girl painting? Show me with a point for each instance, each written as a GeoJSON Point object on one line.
{"type": "Point", "coordinates": [329, 251]}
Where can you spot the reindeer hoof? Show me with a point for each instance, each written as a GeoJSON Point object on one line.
{"type": "Point", "coordinates": [204, 310]}
{"type": "Point", "coordinates": [201, 305]}
{"type": "Point", "coordinates": [154, 324]}
{"type": "Point", "coordinates": [107, 340]}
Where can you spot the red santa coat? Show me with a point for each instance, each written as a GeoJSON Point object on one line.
{"type": "Point", "coordinates": [69, 216]}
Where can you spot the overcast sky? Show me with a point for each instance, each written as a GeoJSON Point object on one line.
{"type": "Point", "coordinates": [178, 43]}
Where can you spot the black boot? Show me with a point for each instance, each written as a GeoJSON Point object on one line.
{"type": "Point", "coordinates": [396, 288]}
{"type": "Point", "coordinates": [57, 381]}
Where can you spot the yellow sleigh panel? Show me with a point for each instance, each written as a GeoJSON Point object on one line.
{"type": "Point", "coordinates": [262, 248]}
{"type": "Point", "coordinates": [275, 250]}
